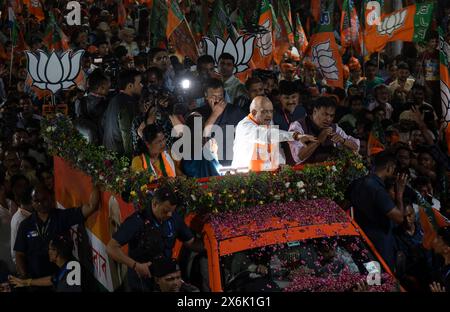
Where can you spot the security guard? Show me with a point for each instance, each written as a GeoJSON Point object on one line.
{"type": "Point", "coordinates": [150, 234]}
{"type": "Point", "coordinates": [45, 223]}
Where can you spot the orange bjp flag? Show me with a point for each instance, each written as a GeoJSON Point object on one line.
{"type": "Point", "coordinates": [325, 51]}
{"type": "Point", "coordinates": [264, 43]}
{"type": "Point", "coordinates": [35, 8]}
{"type": "Point", "coordinates": [408, 24]}
{"type": "Point", "coordinates": [174, 17]}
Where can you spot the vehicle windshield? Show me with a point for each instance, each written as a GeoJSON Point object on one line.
{"type": "Point", "coordinates": [324, 264]}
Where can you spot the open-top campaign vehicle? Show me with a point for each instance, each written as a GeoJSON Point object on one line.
{"type": "Point", "coordinates": [310, 245]}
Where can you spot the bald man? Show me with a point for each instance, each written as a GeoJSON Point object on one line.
{"type": "Point", "coordinates": [257, 140]}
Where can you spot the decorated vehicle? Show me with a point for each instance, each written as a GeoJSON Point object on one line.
{"type": "Point", "coordinates": [309, 245]}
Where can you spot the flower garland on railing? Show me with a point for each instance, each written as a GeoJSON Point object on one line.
{"type": "Point", "coordinates": [227, 193]}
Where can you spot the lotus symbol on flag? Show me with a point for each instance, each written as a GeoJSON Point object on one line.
{"type": "Point", "coordinates": [445, 101]}
{"type": "Point", "coordinates": [241, 50]}
{"type": "Point", "coordinates": [53, 72]}
{"type": "Point", "coordinates": [323, 58]}
{"type": "Point", "coordinates": [392, 23]}
{"type": "Point", "coordinates": [264, 39]}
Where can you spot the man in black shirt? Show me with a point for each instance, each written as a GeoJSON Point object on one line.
{"type": "Point", "coordinates": [45, 223]}
{"type": "Point", "coordinates": [218, 112]}
{"type": "Point", "coordinates": [93, 105]}
{"type": "Point", "coordinates": [375, 211]}
{"type": "Point", "coordinates": [121, 111]}
{"type": "Point", "coordinates": [150, 234]}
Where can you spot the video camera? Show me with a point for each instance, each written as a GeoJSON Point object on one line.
{"type": "Point", "coordinates": [109, 65]}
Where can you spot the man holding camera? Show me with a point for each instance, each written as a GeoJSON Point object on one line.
{"type": "Point", "coordinates": [150, 234]}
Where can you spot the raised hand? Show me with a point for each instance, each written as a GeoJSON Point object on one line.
{"type": "Point", "coordinates": [436, 287]}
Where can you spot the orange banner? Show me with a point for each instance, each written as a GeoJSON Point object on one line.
{"type": "Point", "coordinates": [72, 189]}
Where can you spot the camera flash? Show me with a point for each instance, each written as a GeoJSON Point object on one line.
{"type": "Point", "coordinates": [185, 84]}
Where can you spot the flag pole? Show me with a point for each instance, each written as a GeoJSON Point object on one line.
{"type": "Point", "coordinates": [363, 28]}
{"type": "Point", "coordinates": [378, 59]}
{"type": "Point", "coordinates": [11, 65]}
{"type": "Point", "coordinates": [12, 56]}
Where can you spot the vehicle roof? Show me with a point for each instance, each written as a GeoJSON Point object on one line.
{"type": "Point", "coordinates": [272, 223]}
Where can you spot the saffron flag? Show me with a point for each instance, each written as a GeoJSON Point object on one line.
{"type": "Point", "coordinates": [174, 17]}
{"type": "Point", "coordinates": [301, 42]}
{"type": "Point", "coordinates": [444, 55]}
{"type": "Point", "coordinates": [263, 56]}
{"type": "Point", "coordinates": [431, 220]}
{"type": "Point", "coordinates": [35, 8]}
{"type": "Point", "coordinates": [444, 52]}
{"type": "Point", "coordinates": [184, 42]}
{"type": "Point", "coordinates": [284, 35]}
{"type": "Point", "coordinates": [121, 14]}
{"type": "Point", "coordinates": [351, 35]}
{"type": "Point", "coordinates": [324, 50]}
{"type": "Point", "coordinates": [377, 139]}
{"type": "Point", "coordinates": [315, 9]}
{"type": "Point", "coordinates": [54, 38]}
{"type": "Point", "coordinates": [165, 18]}
{"type": "Point", "coordinates": [221, 25]}
{"type": "Point", "coordinates": [408, 24]}
{"type": "Point", "coordinates": [17, 38]}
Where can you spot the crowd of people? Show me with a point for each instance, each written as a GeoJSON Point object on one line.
{"type": "Point", "coordinates": [141, 101]}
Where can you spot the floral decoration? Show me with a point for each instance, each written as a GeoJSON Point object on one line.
{"type": "Point", "coordinates": [219, 194]}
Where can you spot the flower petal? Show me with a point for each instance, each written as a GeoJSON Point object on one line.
{"type": "Point", "coordinates": [54, 70]}
{"type": "Point", "coordinates": [231, 48]}
{"type": "Point", "coordinates": [67, 84]}
{"type": "Point", "coordinates": [75, 62]}
{"type": "Point", "coordinates": [210, 48]}
{"type": "Point", "coordinates": [323, 46]}
{"type": "Point", "coordinates": [241, 68]}
{"type": "Point", "coordinates": [32, 66]}
{"type": "Point", "coordinates": [240, 49]}
{"type": "Point", "coordinates": [66, 64]}
{"type": "Point", "coordinates": [54, 87]}
{"type": "Point", "coordinates": [219, 48]}
{"type": "Point", "coordinates": [248, 49]}
{"type": "Point", "coordinates": [43, 58]}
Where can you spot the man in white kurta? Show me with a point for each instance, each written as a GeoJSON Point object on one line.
{"type": "Point", "coordinates": [257, 140]}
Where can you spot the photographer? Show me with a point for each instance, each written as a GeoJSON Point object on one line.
{"type": "Point", "coordinates": [150, 233]}
{"type": "Point", "coordinates": [156, 107]}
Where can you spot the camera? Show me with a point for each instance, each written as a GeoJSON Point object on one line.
{"type": "Point", "coordinates": [171, 99]}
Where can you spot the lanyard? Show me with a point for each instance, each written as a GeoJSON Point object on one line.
{"type": "Point", "coordinates": [42, 231]}
{"type": "Point", "coordinates": [169, 224]}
